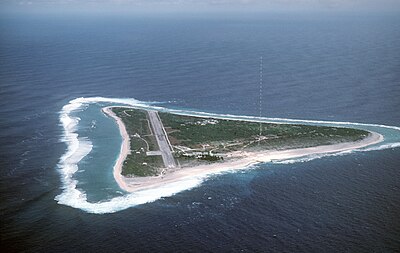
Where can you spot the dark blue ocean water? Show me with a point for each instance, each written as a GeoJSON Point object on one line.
{"type": "Point", "coordinates": [340, 67]}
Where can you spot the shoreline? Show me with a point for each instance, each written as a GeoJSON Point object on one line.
{"type": "Point", "coordinates": [125, 148]}
{"type": "Point", "coordinates": [238, 160]}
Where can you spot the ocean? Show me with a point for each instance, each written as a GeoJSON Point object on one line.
{"type": "Point", "coordinates": [341, 67]}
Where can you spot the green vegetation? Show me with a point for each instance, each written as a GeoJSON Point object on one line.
{"type": "Point", "coordinates": [221, 136]}
{"type": "Point", "coordinates": [196, 140]}
{"type": "Point", "coordinates": [138, 163]}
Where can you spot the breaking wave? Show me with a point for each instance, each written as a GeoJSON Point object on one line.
{"type": "Point", "coordinates": [79, 147]}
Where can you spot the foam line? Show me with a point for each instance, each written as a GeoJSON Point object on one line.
{"type": "Point", "coordinates": [78, 147]}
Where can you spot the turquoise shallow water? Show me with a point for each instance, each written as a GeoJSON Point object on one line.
{"type": "Point", "coordinates": [92, 187]}
{"type": "Point", "coordinates": [95, 174]}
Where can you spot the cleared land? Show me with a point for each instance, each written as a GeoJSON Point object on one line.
{"type": "Point", "coordinates": [143, 160]}
{"type": "Point", "coordinates": [162, 139]}
{"type": "Point", "coordinates": [197, 141]}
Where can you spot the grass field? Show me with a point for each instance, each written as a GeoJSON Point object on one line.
{"type": "Point", "coordinates": [221, 136]}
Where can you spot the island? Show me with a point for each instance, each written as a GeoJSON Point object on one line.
{"type": "Point", "coordinates": [160, 147]}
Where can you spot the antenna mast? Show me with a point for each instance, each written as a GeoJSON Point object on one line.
{"type": "Point", "coordinates": [260, 98]}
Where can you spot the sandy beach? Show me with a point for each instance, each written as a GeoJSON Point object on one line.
{"type": "Point", "coordinates": [236, 160]}
{"type": "Point", "coordinates": [125, 149]}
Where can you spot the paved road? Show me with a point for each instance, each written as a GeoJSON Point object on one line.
{"type": "Point", "coordinates": [163, 144]}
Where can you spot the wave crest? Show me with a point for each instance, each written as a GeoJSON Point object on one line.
{"type": "Point", "coordinates": [79, 147]}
